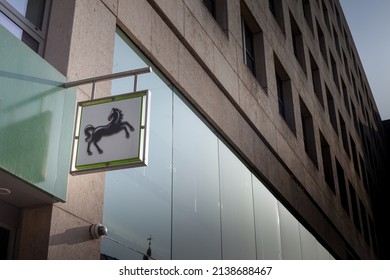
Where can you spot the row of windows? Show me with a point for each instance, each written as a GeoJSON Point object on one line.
{"type": "Point", "coordinates": [342, 30]}
{"type": "Point", "coordinates": [299, 52]}
{"type": "Point", "coordinates": [28, 21]}
{"type": "Point", "coordinates": [361, 99]}
{"type": "Point", "coordinates": [286, 107]}
{"type": "Point", "coordinates": [254, 58]}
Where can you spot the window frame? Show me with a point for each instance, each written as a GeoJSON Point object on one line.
{"type": "Point", "coordinates": [36, 33]}
{"type": "Point", "coordinates": [285, 95]}
{"type": "Point", "coordinates": [248, 53]}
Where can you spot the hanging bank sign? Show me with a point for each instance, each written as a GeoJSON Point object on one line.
{"type": "Point", "coordinates": [111, 133]}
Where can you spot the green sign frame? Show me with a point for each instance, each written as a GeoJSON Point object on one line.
{"type": "Point", "coordinates": [120, 143]}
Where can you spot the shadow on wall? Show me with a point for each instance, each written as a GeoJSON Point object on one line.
{"type": "Point", "coordinates": [71, 236]}
{"type": "Point", "coordinates": [24, 147]}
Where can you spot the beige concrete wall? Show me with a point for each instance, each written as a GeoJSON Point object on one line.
{"type": "Point", "coordinates": [87, 51]}
{"type": "Point", "coordinates": [33, 237]}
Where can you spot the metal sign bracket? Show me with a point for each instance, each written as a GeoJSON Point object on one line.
{"type": "Point", "coordinates": [107, 77]}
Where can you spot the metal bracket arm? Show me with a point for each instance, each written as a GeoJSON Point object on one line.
{"type": "Point", "coordinates": [113, 76]}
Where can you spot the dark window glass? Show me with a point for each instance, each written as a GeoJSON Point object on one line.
{"type": "Point", "coordinates": [307, 13]}
{"type": "Point", "coordinates": [342, 187]}
{"type": "Point", "coordinates": [308, 133]}
{"type": "Point", "coordinates": [249, 49]}
{"type": "Point", "coordinates": [279, 86]}
{"type": "Point", "coordinates": [327, 163]}
{"type": "Point", "coordinates": [271, 4]}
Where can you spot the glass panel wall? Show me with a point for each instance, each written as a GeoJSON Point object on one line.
{"type": "Point", "coordinates": [289, 233]}
{"type": "Point", "coordinates": [137, 202]}
{"type": "Point", "coordinates": [238, 232]}
{"type": "Point", "coordinates": [196, 199]}
{"type": "Point", "coordinates": [195, 187]}
{"type": "Point", "coordinates": [308, 244]}
{"type": "Point", "coordinates": [267, 222]}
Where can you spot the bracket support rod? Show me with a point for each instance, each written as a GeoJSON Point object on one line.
{"type": "Point", "coordinates": [112, 76]}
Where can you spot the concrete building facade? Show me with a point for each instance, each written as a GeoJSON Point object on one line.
{"type": "Point", "coordinates": [265, 138]}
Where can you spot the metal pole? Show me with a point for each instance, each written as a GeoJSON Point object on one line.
{"type": "Point", "coordinates": [108, 77]}
{"type": "Point", "coordinates": [93, 90]}
{"type": "Point", "coordinates": [135, 82]}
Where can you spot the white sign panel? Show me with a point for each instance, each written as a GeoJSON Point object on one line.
{"type": "Point", "coordinates": [111, 133]}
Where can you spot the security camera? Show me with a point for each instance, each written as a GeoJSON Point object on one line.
{"type": "Point", "coordinates": [97, 231]}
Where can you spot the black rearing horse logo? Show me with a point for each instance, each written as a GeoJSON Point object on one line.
{"type": "Point", "coordinates": [95, 134]}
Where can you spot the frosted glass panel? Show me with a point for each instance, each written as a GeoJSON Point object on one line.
{"type": "Point", "coordinates": [196, 210]}
{"type": "Point", "coordinates": [137, 201]}
{"type": "Point", "coordinates": [36, 118]}
{"type": "Point", "coordinates": [238, 232]}
{"type": "Point", "coordinates": [289, 231]}
{"type": "Point", "coordinates": [267, 222]}
{"type": "Point", "coordinates": [308, 244]}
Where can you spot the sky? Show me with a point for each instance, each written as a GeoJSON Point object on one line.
{"type": "Point", "coordinates": [369, 22]}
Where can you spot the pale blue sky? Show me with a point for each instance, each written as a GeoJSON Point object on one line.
{"type": "Point", "coordinates": [369, 22]}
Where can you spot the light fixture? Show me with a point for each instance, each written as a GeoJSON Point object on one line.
{"type": "Point", "coordinates": [5, 191]}
{"type": "Point", "coordinates": [98, 231]}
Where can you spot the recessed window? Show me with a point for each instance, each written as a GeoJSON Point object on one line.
{"type": "Point", "coordinates": [27, 20]}
{"type": "Point", "coordinates": [344, 136]}
{"type": "Point", "coordinates": [284, 92]}
{"type": "Point", "coordinates": [346, 67]}
{"type": "Point", "coordinates": [218, 9]}
{"type": "Point", "coordinates": [253, 45]}
{"type": "Point", "coordinates": [335, 72]}
{"type": "Point", "coordinates": [354, 60]}
{"type": "Point", "coordinates": [354, 87]}
{"type": "Point", "coordinates": [326, 15]}
{"type": "Point", "coordinates": [249, 49]}
{"type": "Point", "coordinates": [332, 110]}
{"type": "Point", "coordinates": [276, 8]}
{"type": "Point", "coordinates": [342, 187]}
{"type": "Point", "coordinates": [345, 37]}
{"type": "Point", "coordinates": [279, 88]}
{"type": "Point", "coordinates": [298, 45]}
{"type": "Point", "coordinates": [336, 41]}
{"type": "Point", "coordinates": [327, 163]}
{"type": "Point", "coordinates": [308, 133]}
{"type": "Point", "coordinates": [354, 117]}
{"type": "Point", "coordinates": [338, 17]}
{"type": "Point", "coordinates": [355, 210]}
{"type": "Point", "coordinates": [345, 96]}
{"type": "Point", "coordinates": [322, 43]}
{"type": "Point", "coordinates": [307, 14]}
{"type": "Point", "coordinates": [354, 155]}
{"type": "Point", "coordinates": [316, 80]}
